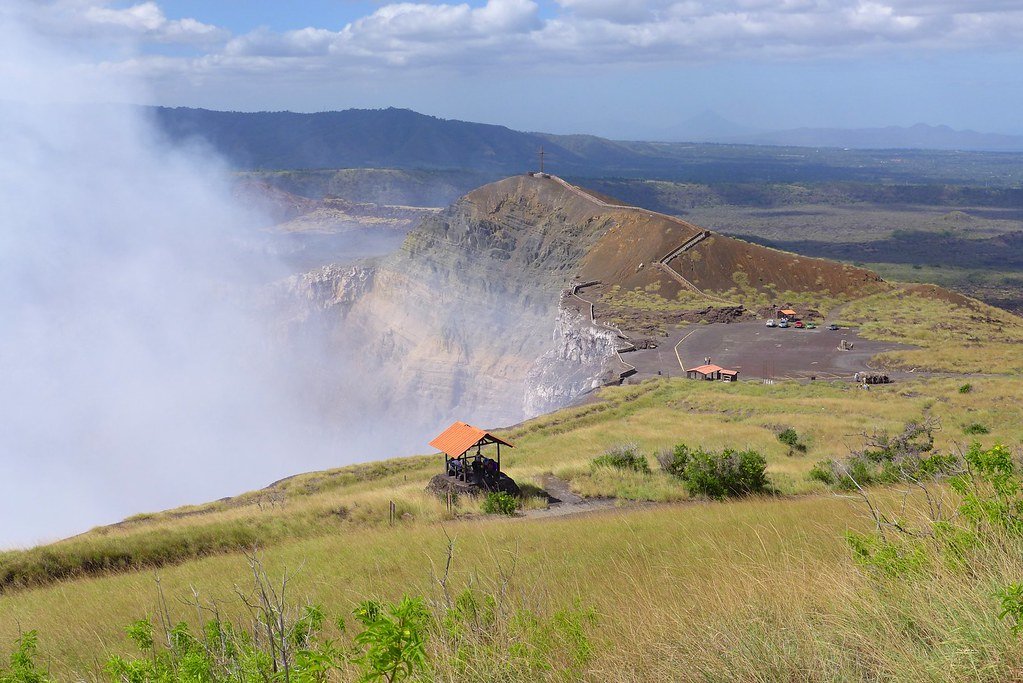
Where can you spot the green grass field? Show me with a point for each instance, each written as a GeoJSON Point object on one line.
{"type": "Point", "coordinates": [761, 589]}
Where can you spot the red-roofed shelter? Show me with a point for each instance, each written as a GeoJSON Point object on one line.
{"type": "Point", "coordinates": [458, 440]}
{"type": "Point", "coordinates": [712, 372]}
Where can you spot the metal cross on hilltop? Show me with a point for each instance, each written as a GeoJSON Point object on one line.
{"type": "Point", "coordinates": [541, 153]}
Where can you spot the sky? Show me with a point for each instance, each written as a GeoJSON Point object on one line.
{"type": "Point", "coordinates": [625, 68]}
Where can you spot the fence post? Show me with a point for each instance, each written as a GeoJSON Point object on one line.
{"type": "Point", "coordinates": [390, 511]}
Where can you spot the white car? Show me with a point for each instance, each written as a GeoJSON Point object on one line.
{"type": "Point", "coordinates": [770, 322]}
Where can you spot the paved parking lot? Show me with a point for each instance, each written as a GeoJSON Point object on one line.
{"type": "Point", "coordinates": [759, 351]}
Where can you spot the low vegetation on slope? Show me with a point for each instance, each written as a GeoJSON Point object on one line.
{"type": "Point", "coordinates": [955, 333]}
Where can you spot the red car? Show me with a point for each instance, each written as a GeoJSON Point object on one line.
{"type": "Point", "coordinates": [799, 324]}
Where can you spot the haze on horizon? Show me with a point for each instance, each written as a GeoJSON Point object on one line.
{"type": "Point", "coordinates": [632, 69]}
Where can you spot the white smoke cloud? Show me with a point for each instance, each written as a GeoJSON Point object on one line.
{"type": "Point", "coordinates": [135, 371]}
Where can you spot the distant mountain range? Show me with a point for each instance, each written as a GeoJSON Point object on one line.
{"type": "Point", "coordinates": [709, 126]}
{"type": "Point", "coordinates": [404, 139]}
{"type": "Point", "coordinates": [382, 138]}
{"type": "Point", "coordinates": [920, 136]}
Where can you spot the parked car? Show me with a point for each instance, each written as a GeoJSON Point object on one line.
{"type": "Point", "coordinates": [832, 327]}
{"type": "Point", "coordinates": [783, 323]}
{"type": "Point", "coordinates": [770, 322]}
{"type": "Point", "coordinates": [811, 326]}
{"type": "Point", "coordinates": [799, 324]}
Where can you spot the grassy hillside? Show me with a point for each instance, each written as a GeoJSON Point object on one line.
{"type": "Point", "coordinates": [954, 333]}
{"type": "Point", "coordinates": [655, 415]}
{"type": "Point", "coordinates": [754, 590]}
{"type": "Point", "coordinates": [690, 586]}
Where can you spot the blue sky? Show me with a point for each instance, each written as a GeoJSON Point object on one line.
{"type": "Point", "coordinates": [623, 68]}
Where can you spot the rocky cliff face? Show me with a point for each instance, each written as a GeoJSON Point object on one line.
{"type": "Point", "coordinates": [452, 326]}
{"type": "Point", "coordinates": [581, 358]}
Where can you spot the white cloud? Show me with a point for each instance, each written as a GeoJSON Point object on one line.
{"type": "Point", "coordinates": [97, 20]}
{"type": "Point", "coordinates": [583, 32]}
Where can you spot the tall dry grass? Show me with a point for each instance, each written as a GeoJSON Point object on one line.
{"type": "Point", "coordinates": [758, 590]}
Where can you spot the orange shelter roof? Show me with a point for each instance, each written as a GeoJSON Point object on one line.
{"type": "Point", "coordinates": [460, 437]}
{"type": "Point", "coordinates": [729, 372]}
{"type": "Point", "coordinates": [787, 311]}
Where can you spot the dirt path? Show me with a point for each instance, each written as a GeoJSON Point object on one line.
{"type": "Point", "coordinates": [562, 501]}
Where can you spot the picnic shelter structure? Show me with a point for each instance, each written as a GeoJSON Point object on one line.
{"type": "Point", "coordinates": [462, 446]}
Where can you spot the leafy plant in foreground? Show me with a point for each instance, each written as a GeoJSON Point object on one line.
{"type": "Point", "coordinates": [394, 638]}
{"type": "Point", "coordinates": [987, 528]}
{"type": "Point", "coordinates": [23, 668]}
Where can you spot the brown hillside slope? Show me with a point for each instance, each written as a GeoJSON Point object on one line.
{"type": "Point", "coordinates": [720, 263]}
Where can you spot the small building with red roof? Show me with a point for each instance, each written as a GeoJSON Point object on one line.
{"type": "Point", "coordinates": [711, 372]}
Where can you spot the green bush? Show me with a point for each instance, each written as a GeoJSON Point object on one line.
{"type": "Point", "coordinates": [623, 457]}
{"type": "Point", "coordinates": [823, 472]}
{"type": "Point", "coordinates": [966, 388]}
{"type": "Point", "coordinates": [719, 475]}
{"type": "Point", "coordinates": [790, 438]}
{"type": "Point", "coordinates": [500, 503]}
{"type": "Point", "coordinates": [673, 461]}
{"type": "Point", "coordinates": [906, 456]}
{"type": "Point", "coordinates": [976, 428]}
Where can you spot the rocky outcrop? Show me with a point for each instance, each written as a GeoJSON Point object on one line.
{"type": "Point", "coordinates": [442, 484]}
{"type": "Point", "coordinates": [330, 288]}
{"type": "Point", "coordinates": [581, 359]}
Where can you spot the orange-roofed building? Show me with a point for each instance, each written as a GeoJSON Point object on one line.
{"type": "Point", "coordinates": [711, 372]}
{"type": "Point", "coordinates": [458, 442]}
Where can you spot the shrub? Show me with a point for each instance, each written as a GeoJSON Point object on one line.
{"type": "Point", "coordinates": [623, 457]}
{"type": "Point", "coordinates": [730, 473]}
{"type": "Point", "coordinates": [673, 461]}
{"type": "Point", "coordinates": [823, 472]}
{"type": "Point", "coordinates": [889, 459]}
{"type": "Point", "coordinates": [1010, 602]}
{"type": "Point", "coordinates": [966, 388]}
{"type": "Point", "coordinates": [500, 503]}
{"type": "Point", "coordinates": [976, 428]}
{"type": "Point", "coordinates": [718, 475]}
{"type": "Point", "coordinates": [790, 438]}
